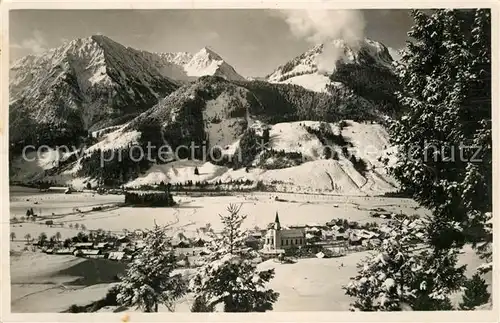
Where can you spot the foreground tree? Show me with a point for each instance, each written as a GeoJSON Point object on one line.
{"type": "Point", "coordinates": [12, 236]}
{"type": "Point", "coordinates": [149, 281]}
{"type": "Point", "coordinates": [404, 274]}
{"type": "Point", "coordinates": [476, 293]}
{"type": "Point", "coordinates": [446, 99]}
{"type": "Point", "coordinates": [27, 237]}
{"type": "Point", "coordinates": [444, 138]}
{"type": "Point", "coordinates": [229, 278]}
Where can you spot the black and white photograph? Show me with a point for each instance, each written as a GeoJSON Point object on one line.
{"type": "Point", "coordinates": [249, 160]}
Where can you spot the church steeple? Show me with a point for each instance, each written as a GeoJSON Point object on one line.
{"type": "Point", "coordinates": [277, 224]}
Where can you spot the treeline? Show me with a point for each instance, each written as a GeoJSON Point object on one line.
{"type": "Point", "coordinates": [274, 103]}
{"type": "Point", "coordinates": [280, 159]}
{"type": "Point", "coordinates": [376, 84]}
{"type": "Point", "coordinates": [359, 165]}
{"type": "Point", "coordinates": [113, 166]}
{"type": "Point", "coordinates": [203, 185]}
{"type": "Point", "coordinates": [324, 135]}
{"type": "Point", "coordinates": [149, 199]}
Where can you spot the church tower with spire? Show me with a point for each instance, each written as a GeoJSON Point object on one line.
{"type": "Point", "coordinates": [277, 225]}
{"type": "Point", "coordinates": [277, 239]}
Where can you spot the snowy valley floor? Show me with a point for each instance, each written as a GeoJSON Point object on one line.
{"type": "Point", "coordinates": [51, 283]}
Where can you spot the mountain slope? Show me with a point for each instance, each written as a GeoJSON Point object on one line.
{"type": "Point", "coordinates": [84, 85]}
{"type": "Point", "coordinates": [187, 67]}
{"type": "Point", "coordinates": [315, 173]}
{"type": "Point", "coordinates": [217, 111]}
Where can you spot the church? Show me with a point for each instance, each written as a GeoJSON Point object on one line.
{"type": "Point", "coordinates": [277, 239]}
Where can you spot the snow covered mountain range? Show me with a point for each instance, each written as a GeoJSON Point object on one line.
{"type": "Point", "coordinates": [185, 66]}
{"type": "Point", "coordinates": [313, 69]}
{"type": "Point", "coordinates": [124, 96]}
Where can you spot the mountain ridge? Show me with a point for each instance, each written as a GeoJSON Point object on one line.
{"type": "Point", "coordinates": [314, 68]}
{"type": "Point", "coordinates": [124, 96]}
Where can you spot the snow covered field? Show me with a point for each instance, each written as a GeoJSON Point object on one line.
{"type": "Point", "coordinates": [195, 212]}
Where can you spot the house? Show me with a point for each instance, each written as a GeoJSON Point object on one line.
{"type": "Point", "coordinates": [364, 234]}
{"type": "Point", "coordinates": [65, 251]}
{"type": "Point", "coordinates": [138, 233]}
{"type": "Point", "coordinates": [335, 251]}
{"type": "Point", "coordinates": [90, 253]}
{"type": "Point", "coordinates": [311, 237]}
{"type": "Point", "coordinates": [180, 241]}
{"type": "Point", "coordinates": [277, 238]}
{"type": "Point", "coordinates": [320, 255]}
{"type": "Point", "coordinates": [116, 255]}
{"type": "Point", "coordinates": [57, 189]}
{"type": "Point", "coordinates": [102, 245]}
{"type": "Point", "coordinates": [257, 234]}
{"type": "Point", "coordinates": [355, 240]}
{"type": "Point", "coordinates": [83, 245]}
{"type": "Point", "coordinates": [180, 244]}
{"type": "Point", "coordinates": [328, 234]}
{"type": "Point", "coordinates": [139, 244]}
{"type": "Point", "coordinates": [199, 242]}
{"type": "Point", "coordinates": [123, 239]}
{"type": "Point", "coordinates": [252, 242]}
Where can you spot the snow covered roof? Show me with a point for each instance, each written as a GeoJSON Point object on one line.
{"type": "Point", "coordinates": [90, 251]}
{"type": "Point", "coordinates": [309, 236]}
{"type": "Point", "coordinates": [292, 233]}
{"type": "Point", "coordinates": [65, 251]}
{"type": "Point", "coordinates": [83, 244]}
{"type": "Point", "coordinates": [116, 255]}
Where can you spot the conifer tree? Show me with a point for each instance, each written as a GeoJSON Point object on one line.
{"type": "Point", "coordinates": [446, 97]}
{"type": "Point", "coordinates": [400, 275]}
{"type": "Point", "coordinates": [476, 293]}
{"type": "Point", "coordinates": [446, 78]}
{"type": "Point", "coordinates": [229, 278]}
{"type": "Point", "coordinates": [148, 281]}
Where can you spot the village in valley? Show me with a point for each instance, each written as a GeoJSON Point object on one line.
{"type": "Point", "coordinates": [276, 232]}
{"type": "Point", "coordinates": [333, 238]}
{"type": "Point", "coordinates": [249, 160]}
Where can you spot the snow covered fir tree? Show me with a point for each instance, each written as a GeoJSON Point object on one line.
{"type": "Point", "coordinates": [230, 277]}
{"type": "Point", "coordinates": [444, 163]}
{"type": "Point", "coordinates": [149, 281]}
{"type": "Point", "coordinates": [341, 162]}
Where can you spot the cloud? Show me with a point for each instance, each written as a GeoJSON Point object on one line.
{"type": "Point", "coordinates": [36, 44]}
{"type": "Point", "coordinates": [325, 26]}
{"type": "Point", "coordinates": [318, 26]}
{"type": "Point", "coordinates": [394, 53]}
{"type": "Point", "coordinates": [212, 35]}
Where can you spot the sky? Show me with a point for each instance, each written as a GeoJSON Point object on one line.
{"type": "Point", "coordinates": [254, 42]}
